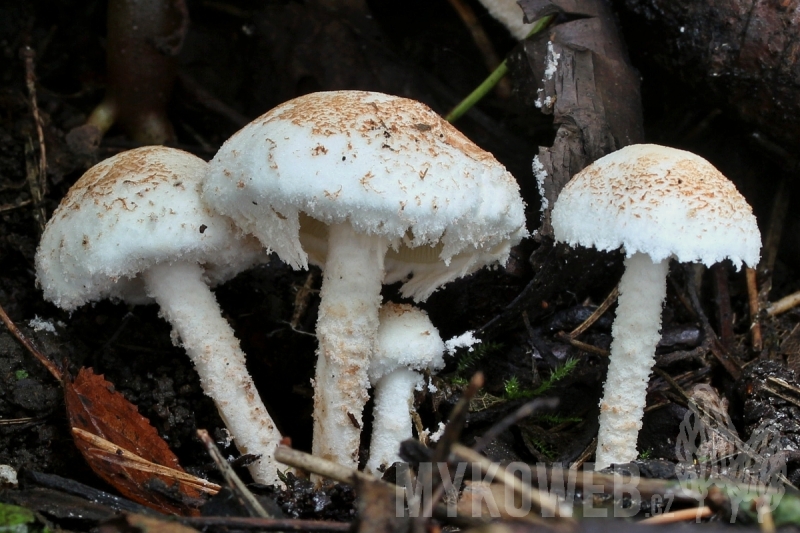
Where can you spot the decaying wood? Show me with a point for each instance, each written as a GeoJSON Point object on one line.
{"type": "Point", "coordinates": [579, 73]}
{"type": "Point", "coordinates": [743, 52]}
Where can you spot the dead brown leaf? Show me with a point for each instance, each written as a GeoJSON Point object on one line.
{"type": "Point", "coordinates": [94, 407]}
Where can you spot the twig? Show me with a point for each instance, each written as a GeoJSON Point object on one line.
{"type": "Point", "coordinates": [772, 239]}
{"type": "Point", "coordinates": [37, 181]}
{"type": "Point", "coordinates": [585, 454]}
{"type": "Point", "coordinates": [541, 500]}
{"type": "Point", "coordinates": [586, 347]}
{"type": "Point", "coordinates": [601, 309]}
{"type": "Point", "coordinates": [15, 421]}
{"type": "Point", "coordinates": [722, 355]}
{"type": "Point", "coordinates": [11, 207]}
{"type": "Point", "coordinates": [679, 516]}
{"type": "Point", "coordinates": [52, 368]}
{"type": "Point", "coordinates": [113, 453]}
{"type": "Point", "coordinates": [524, 411]}
{"type": "Point", "coordinates": [266, 524]}
{"type": "Point", "coordinates": [752, 299]}
{"type": "Point", "coordinates": [452, 432]}
{"type": "Point", "coordinates": [784, 304]}
{"type": "Point", "coordinates": [342, 474]}
{"type": "Point", "coordinates": [722, 299]}
{"type": "Point", "coordinates": [239, 489]}
{"type": "Point", "coordinates": [323, 467]}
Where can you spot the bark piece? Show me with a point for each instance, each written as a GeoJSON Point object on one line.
{"type": "Point", "coordinates": [578, 72]}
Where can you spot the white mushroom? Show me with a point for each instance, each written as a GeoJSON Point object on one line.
{"type": "Point", "coordinates": [351, 181]}
{"type": "Point", "coordinates": [133, 227]}
{"type": "Point", "coordinates": [509, 14]}
{"type": "Point", "coordinates": [656, 203]}
{"type": "Point", "coordinates": [407, 343]}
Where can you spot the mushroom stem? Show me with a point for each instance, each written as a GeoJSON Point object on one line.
{"type": "Point", "coordinates": [346, 330]}
{"type": "Point", "coordinates": [394, 395]}
{"type": "Point", "coordinates": [636, 332]}
{"type": "Point", "coordinates": [190, 307]}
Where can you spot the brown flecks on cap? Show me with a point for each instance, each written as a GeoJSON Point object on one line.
{"type": "Point", "coordinates": [360, 112]}
{"type": "Point", "coordinates": [319, 149]}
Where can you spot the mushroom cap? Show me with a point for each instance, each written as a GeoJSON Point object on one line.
{"type": "Point", "coordinates": [127, 213]}
{"type": "Point", "coordinates": [388, 165]}
{"type": "Point", "coordinates": [659, 201]}
{"type": "Point", "coordinates": [406, 339]}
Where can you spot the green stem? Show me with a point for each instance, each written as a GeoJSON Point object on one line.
{"type": "Point", "coordinates": [489, 83]}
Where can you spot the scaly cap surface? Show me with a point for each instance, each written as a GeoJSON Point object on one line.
{"type": "Point", "coordinates": [406, 339]}
{"type": "Point", "coordinates": [388, 165]}
{"type": "Point", "coordinates": [660, 201]}
{"type": "Point", "coordinates": [127, 213]}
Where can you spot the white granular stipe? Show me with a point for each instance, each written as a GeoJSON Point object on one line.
{"type": "Point", "coordinates": [40, 324]}
{"type": "Point", "coordinates": [465, 340]}
{"type": "Point", "coordinates": [551, 63]}
{"type": "Point", "coordinates": [540, 174]}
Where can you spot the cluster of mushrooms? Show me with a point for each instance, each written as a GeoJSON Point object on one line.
{"type": "Point", "coordinates": [373, 189]}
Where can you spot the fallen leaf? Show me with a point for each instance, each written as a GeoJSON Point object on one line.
{"type": "Point", "coordinates": [94, 407]}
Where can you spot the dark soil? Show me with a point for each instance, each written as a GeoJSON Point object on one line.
{"type": "Point", "coordinates": [250, 55]}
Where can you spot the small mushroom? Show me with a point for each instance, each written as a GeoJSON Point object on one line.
{"type": "Point", "coordinates": [134, 228]}
{"type": "Point", "coordinates": [407, 343]}
{"type": "Point", "coordinates": [656, 203]}
{"type": "Point", "coordinates": [374, 189]}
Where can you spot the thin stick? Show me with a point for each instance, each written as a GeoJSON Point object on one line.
{"type": "Point", "coordinates": [538, 498]}
{"type": "Point", "coordinates": [487, 85]}
{"type": "Point", "coordinates": [679, 516]}
{"type": "Point", "coordinates": [584, 456]}
{"type": "Point", "coordinates": [323, 467]}
{"type": "Point", "coordinates": [452, 432]}
{"type": "Point", "coordinates": [111, 452]}
{"type": "Point", "coordinates": [601, 309]}
{"type": "Point", "coordinates": [586, 347]}
{"type": "Point", "coordinates": [784, 304]}
{"type": "Point", "coordinates": [29, 345]}
{"type": "Point", "coordinates": [36, 181]}
{"type": "Point", "coordinates": [523, 412]}
{"type": "Point", "coordinates": [239, 489]}
{"type": "Point", "coordinates": [752, 298]}
{"type": "Point", "coordinates": [266, 524]}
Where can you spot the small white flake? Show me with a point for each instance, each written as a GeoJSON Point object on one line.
{"type": "Point", "coordinates": [434, 437]}
{"type": "Point", "coordinates": [431, 387]}
{"type": "Point", "coordinates": [40, 324]}
{"type": "Point", "coordinates": [8, 476]}
{"type": "Point", "coordinates": [540, 174]}
{"type": "Point", "coordinates": [465, 340]}
{"type": "Point", "coordinates": [551, 63]}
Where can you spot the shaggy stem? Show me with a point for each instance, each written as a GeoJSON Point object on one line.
{"type": "Point", "coordinates": [636, 332]}
{"type": "Point", "coordinates": [190, 307]}
{"type": "Point", "coordinates": [346, 330]}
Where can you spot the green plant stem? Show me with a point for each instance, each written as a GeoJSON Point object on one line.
{"type": "Point", "coordinates": [489, 83]}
